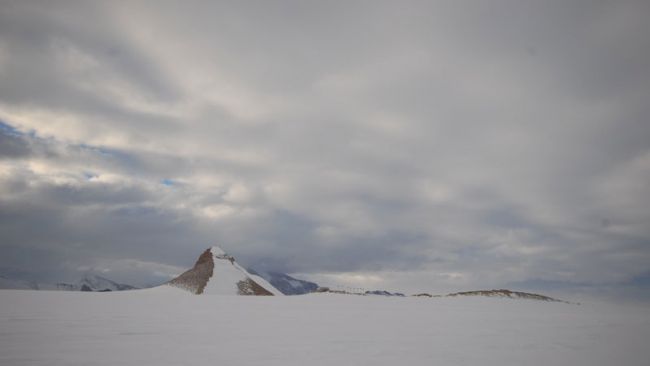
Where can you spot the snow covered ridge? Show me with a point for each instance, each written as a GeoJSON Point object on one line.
{"type": "Point", "coordinates": [506, 293]}
{"type": "Point", "coordinates": [503, 293]}
{"type": "Point", "coordinates": [216, 272]}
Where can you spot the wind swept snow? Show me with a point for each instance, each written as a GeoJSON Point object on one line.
{"type": "Point", "coordinates": [164, 326]}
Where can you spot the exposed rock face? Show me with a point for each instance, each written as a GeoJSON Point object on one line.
{"type": "Point", "coordinates": [195, 279]}
{"type": "Point", "coordinates": [250, 287]}
{"type": "Point", "coordinates": [384, 293]}
{"type": "Point", "coordinates": [424, 294]}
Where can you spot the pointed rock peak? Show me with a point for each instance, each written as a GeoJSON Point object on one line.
{"type": "Point", "coordinates": [195, 279]}
{"type": "Point", "coordinates": [205, 257]}
{"type": "Point", "coordinates": [216, 272]}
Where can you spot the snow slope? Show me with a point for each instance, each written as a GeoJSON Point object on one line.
{"type": "Point", "coordinates": [217, 273]}
{"type": "Point", "coordinates": [164, 326]}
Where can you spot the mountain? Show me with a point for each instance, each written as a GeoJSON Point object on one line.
{"type": "Point", "coordinates": [216, 272]}
{"type": "Point", "coordinates": [286, 284]}
{"type": "Point", "coordinates": [505, 293]}
{"type": "Point", "coordinates": [385, 293]}
{"type": "Point", "coordinates": [89, 283]}
{"type": "Point", "coordinates": [94, 283]}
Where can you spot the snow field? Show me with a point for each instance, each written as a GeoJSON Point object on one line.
{"type": "Point", "coordinates": [172, 327]}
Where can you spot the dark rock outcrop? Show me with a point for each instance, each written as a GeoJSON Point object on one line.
{"type": "Point", "coordinates": [195, 279]}
{"type": "Point", "coordinates": [506, 293]}
{"type": "Point", "coordinates": [250, 287]}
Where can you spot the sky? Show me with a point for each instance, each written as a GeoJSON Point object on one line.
{"type": "Point", "coordinates": [403, 145]}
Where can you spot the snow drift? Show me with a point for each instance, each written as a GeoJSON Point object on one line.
{"type": "Point", "coordinates": [147, 327]}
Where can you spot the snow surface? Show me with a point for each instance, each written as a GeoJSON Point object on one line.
{"type": "Point", "coordinates": [215, 250]}
{"type": "Point", "coordinates": [224, 278]}
{"type": "Point", "coordinates": [226, 275]}
{"type": "Point", "coordinates": [165, 326]}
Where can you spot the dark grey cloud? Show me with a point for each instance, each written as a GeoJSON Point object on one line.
{"type": "Point", "coordinates": [416, 145]}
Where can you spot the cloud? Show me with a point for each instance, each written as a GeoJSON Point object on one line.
{"type": "Point", "coordinates": [427, 144]}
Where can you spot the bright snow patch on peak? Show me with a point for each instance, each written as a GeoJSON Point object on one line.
{"type": "Point", "coordinates": [215, 250]}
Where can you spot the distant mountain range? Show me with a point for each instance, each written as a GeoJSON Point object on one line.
{"type": "Point", "coordinates": [283, 283]}
{"type": "Point", "coordinates": [95, 283]}
{"type": "Point", "coordinates": [506, 293]}
{"type": "Point", "coordinates": [216, 272]}
{"type": "Point", "coordinates": [385, 293]}
{"type": "Point", "coordinates": [90, 283]}
{"type": "Point", "coordinates": [286, 284]}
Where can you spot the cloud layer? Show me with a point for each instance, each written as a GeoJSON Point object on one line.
{"type": "Point", "coordinates": [418, 146]}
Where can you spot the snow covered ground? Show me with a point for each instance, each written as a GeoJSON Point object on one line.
{"type": "Point", "coordinates": [171, 327]}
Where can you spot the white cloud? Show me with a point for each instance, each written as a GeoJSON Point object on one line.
{"type": "Point", "coordinates": [435, 140]}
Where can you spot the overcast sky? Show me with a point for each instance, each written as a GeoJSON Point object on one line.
{"type": "Point", "coordinates": [415, 146]}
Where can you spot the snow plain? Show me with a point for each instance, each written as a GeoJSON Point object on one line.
{"type": "Point", "coordinates": [171, 327]}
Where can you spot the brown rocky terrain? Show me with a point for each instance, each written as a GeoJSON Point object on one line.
{"type": "Point", "coordinates": [195, 279]}
{"type": "Point", "coordinates": [250, 287]}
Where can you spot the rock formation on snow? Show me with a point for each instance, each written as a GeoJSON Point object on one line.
{"type": "Point", "coordinates": [216, 272]}
{"type": "Point", "coordinates": [506, 293]}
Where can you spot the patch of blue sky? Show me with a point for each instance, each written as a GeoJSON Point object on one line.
{"type": "Point", "coordinates": [8, 129]}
